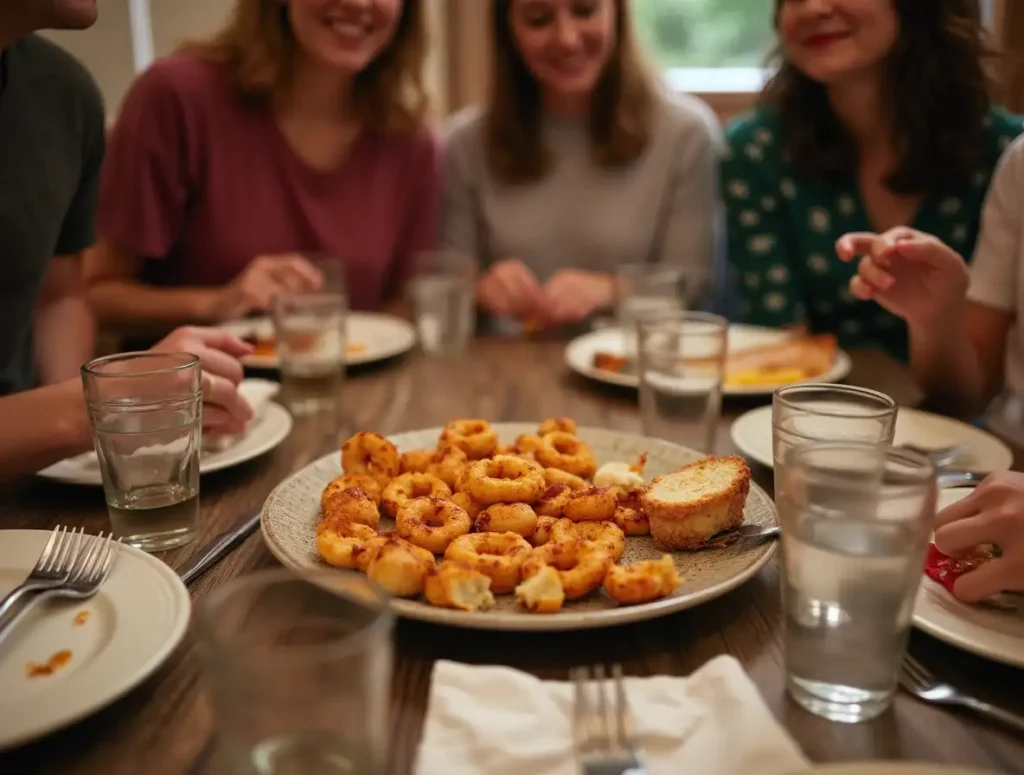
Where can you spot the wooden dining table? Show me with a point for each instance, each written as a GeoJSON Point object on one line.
{"type": "Point", "coordinates": [166, 725]}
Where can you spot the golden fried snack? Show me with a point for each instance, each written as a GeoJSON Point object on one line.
{"type": "Point", "coordinates": [465, 502]}
{"type": "Point", "coordinates": [497, 555]}
{"type": "Point", "coordinates": [405, 487]}
{"type": "Point", "coordinates": [591, 504]}
{"type": "Point", "coordinates": [606, 534]}
{"type": "Point", "coordinates": [642, 582]}
{"type": "Point", "coordinates": [632, 522]}
{"type": "Point", "coordinates": [507, 518]}
{"type": "Point", "coordinates": [552, 501]}
{"type": "Point", "coordinates": [416, 462]}
{"type": "Point", "coordinates": [557, 425]}
{"type": "Point", "coordinates": [581, 565]}
{"type": "Point", "coordinates": [372, 454]}
{"type": "Point", "coordinates": [565, 452]}
{"type": "Point", "coordinates": [447, 463]}
{"type": "Point", "coordinates": [346, 547]}
{"type": "Point", "coordinates": [345, 481]}
{"type": "Point", "coordinates": [399, 567]}
{"type": "Point", "coordinates": [543, 532]}
{"type": "Point", "coordinates": [505, 479]}
{"type": "Point", "coordinates": [542, 593]}
{"type": "Point", "coordinates": [558, 476]}
{"type": "Point", "coordinates": [454, 585]}
{"type": "Point", "coordinates": [528, 444]}
{"type": "Point", "coordinates": [431, 523]}
{"type": "Point", "coordinates": [474, 437]}
{"type": "Point", "coordinates": [351, 505]}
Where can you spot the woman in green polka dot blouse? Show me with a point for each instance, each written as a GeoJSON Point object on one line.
{"type": "Point", "coordinates": [879, 116]}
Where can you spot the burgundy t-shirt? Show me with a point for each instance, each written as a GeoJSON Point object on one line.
{"type": "Point", "coordinates": [199, 183]}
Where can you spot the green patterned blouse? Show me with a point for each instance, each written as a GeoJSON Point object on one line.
{"type": "Point", "coordinates": [782, 232]}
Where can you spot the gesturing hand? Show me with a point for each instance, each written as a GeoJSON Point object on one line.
{"type": "Point", "coordinates": [509, 289]}
{"type": "Point", "coordinates": [911, 274]}
{"type": "Point", "coordinates": [572, 295]}
{"type": "Point", "coordinates": [264, 278]}
{"type": "Point", "coordinates": [992, 514]}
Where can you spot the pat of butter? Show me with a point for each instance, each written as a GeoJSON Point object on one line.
{"type": "Point", "coordinates": [618, 475]}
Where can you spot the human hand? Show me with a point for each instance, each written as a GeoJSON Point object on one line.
{"type": "Point", "coordinates": [992, 514]}
{"type": "Point", "coordinates": [509, 289]}
{"type": "Point", "coordinates": [254, 289]}
{"type": "Point", "coordinates": [572, 295]}
{"type": "Point", "coordinates": [909, 273]}
{"type": "Point", "coordinates": [224, 409]}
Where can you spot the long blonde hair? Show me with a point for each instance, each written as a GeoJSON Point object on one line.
{"type": "Point", "coordinates": [257, 46]}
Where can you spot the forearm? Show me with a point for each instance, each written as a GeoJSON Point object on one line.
{"type": "Point", "coordinates": [41, 427]}
{"type": "Point", "coordinates": [946, 365]}
{"type": "Point", "coordinates": [126, 302]}
{"type": "Point", "coordinates": [64, 332]}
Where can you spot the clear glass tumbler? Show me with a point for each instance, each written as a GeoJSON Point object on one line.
{"type": "Point", "coordinates": [299, 670]}
{"type": "Point", "coordinates": [145, 409]}
{"type": "Point", "coordinates": [443, 294]}
{"type": "Point", "coordinates": [645, 290]}
{"type": "Point", "coordinates": [310, 330]}
{"type": "Point", "coordinates": [853, 544]}
{"type": "Point", "coordinates": [681, 360]}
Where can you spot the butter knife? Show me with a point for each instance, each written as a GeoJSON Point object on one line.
{"type": "Point", "coordinates": [217, 549]}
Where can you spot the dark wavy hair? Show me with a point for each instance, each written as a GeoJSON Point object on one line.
{"type": "Point", "coordinates": [940, 89]}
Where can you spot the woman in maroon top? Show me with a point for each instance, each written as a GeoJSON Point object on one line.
{"type": "Point", "coordinates": [299, 128]}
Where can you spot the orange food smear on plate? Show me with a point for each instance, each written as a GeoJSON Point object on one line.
{"type": "Point", "coordinates": [51, 666]}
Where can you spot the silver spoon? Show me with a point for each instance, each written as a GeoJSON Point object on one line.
{"type": "Point", "coordinates": [745, 533]}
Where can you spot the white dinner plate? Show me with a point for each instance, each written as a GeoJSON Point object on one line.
{"type": "Point", "coordinates": [133, 624]}
{"type": "Point", "coordinates": [270, 428]}
{"type": "Point", "coordinates": [292, 511]}
{"type": "Point", "coordinates": [889, 768]}
{"type": "Point", "coordinates": [987, 632]}
{"type": "Point", "coordinates": [752, 434]}
{"type": "Point", "coordinates": [375, 336]}
{"type": "Point", "coordinates": [580, 352]}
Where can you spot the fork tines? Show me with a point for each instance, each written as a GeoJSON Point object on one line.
{"type": "Point", "coordinates": [602, 726]}
{"type": "Point", "coordinates": [95, 562]}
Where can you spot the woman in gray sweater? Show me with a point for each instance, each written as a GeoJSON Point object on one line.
{"type": "Point", "coordinates": [578, 163]}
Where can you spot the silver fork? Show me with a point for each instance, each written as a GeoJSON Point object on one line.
{"type": "Point", "coordinates": [916, 679]}
{"type": "Point", "coordinates": [941, 457]}
{"type": "Point", "coordinates": [91, 569]}
{"type": "Point", "coordinates": [603, 737]}
{"type": "Point", "coordinates": [52, 568]}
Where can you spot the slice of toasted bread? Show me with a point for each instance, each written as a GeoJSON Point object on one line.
{"type": "Point", "coordinates": [689, 506]}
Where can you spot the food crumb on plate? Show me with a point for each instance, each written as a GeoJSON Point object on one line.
{"type": "Point", "coordinates": [80, 618]}
{"type": "Point", "coordinates": [51, 666]}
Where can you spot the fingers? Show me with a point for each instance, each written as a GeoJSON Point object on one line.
{"type": "Point", "coordinates": [958, 538]}
{"type": "Point", "coordinates": [222, 398]}
{"type": "Point", "coordinates": [874, 276]}
{"type": "Point", "coordinates": [962, 509]}
{"type": "Point", "coordinates": [861, 289]}
{"type": "Point", "coordinates": [575, 296]}
{"type": "Point", "coordinates": [511, 290]}
{"type": "Point", "coordinates": [857, 243]}
{"type": "Point", "coordinates": [218, 421]}
{"type": "Point", "coordinates": [990, 579]}
{"type": "Point", "coordinates": [296, 273]}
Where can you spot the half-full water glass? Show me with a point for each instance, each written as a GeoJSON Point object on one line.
{"type": "Point", "coordinates": [310, 329]}
{"type": "Point", "coordinates": [443, 294]}
{"type": "Point", "coordinates": [854, 537]}
{"type": "Point", "coordinates": [145, 410]}
{"type": "Point", "coordinates": [681, 359]}
{"type": "Point", "coordinates": [645, 290]}
{"type": "Point", "coordinates": [299, 669]}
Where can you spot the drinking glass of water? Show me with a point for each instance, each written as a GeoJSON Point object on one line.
{"type": "Point", "coordinates": [310, 331]}
{"type": "Point", "coordinates": [145, 410]}
{"type": "Point", "coordinates": [644, 290]}
{"type": "Point", "coordinates": [854, 536]}
{"type": "Point", "coordinates": [681, 359]}
{"type": "Point", "coordinates": [443, 294]}
{"type": "Point", "coordinates": [299, 670]}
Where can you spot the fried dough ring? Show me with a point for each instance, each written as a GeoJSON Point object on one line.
{"type": "Point", "coordinates": [632, 522]}
{"type": "Point", "coordinates": [497, 555]}
{"type": "Point", "coordinates": [565, 452]}
{"type": "Point", "coordinates": [352, 546]}
{"type": "Point", "coordinates": [581, 565]}
{"type": "Point", "coordinates": [543, 532]}
{"type": "Point", "coordinates": [465, 502]}
{"type": "Point", "coordinates": [507, 518]}
{"type": "Point", "coordinates": [474, 437]}
{"type": "Point", "coordinates": [642, 582]}
{"type": "Point", "coordinates": [405, 487]}
{"type": "Point", "coordinates": [372, 454]}
{"type": "Point", "coordinates": [552, 501]}
{"type": "Point", "coordinates": [505, 479]}
{"type": "Point", "coordinates": [345, 481]}
{"type": "Point", "coordinates": [590, 505]}
{"type": "Point", "coordinates": [351, 505]}
{"type": "Point", "coordinates": [447, 463]}
{"type": "Point", "coordinates": [454, 585]}
{"type": "Point", "coordinates": [431, 523]}
{"type": "Point", "coordinates": [557, 425]}
{"type": "Point", "coordinates": [605, 534]}
{"type": "Point", "coordinates": [542, 593]}
{"type": "Point", "coordinates": [400, 567]}
{"type": "Point", "coordinates": [558, 476]}
{"type": "Point", "coordinates": [416, 462]}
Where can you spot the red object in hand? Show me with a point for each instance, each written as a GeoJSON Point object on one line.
{"type": "Point", "coordinates": [946, 570]}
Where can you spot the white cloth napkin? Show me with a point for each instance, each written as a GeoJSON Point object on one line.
{"type": "Point", "coordinates": [499, 721]}
{"type": "Point", "coordinates": [258, 392]}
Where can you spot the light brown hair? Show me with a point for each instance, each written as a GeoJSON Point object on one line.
{"type": "Point", "coordinates": [257, 46]}
{"type": "Point", "coordinates": [621, 111]}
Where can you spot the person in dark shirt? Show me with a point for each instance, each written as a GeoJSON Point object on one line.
{"type": "Point", "coordinates": [51, 150]}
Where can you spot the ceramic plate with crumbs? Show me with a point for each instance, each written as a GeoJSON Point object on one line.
{"type": "Point", "coordinates": [69, 658]}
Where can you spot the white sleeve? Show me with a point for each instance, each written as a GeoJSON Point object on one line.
{"type": "Point", "coordinates": [995, 267]}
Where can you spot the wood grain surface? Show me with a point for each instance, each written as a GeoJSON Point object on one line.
{"type": "Point", "coordinates": [166, 725]}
